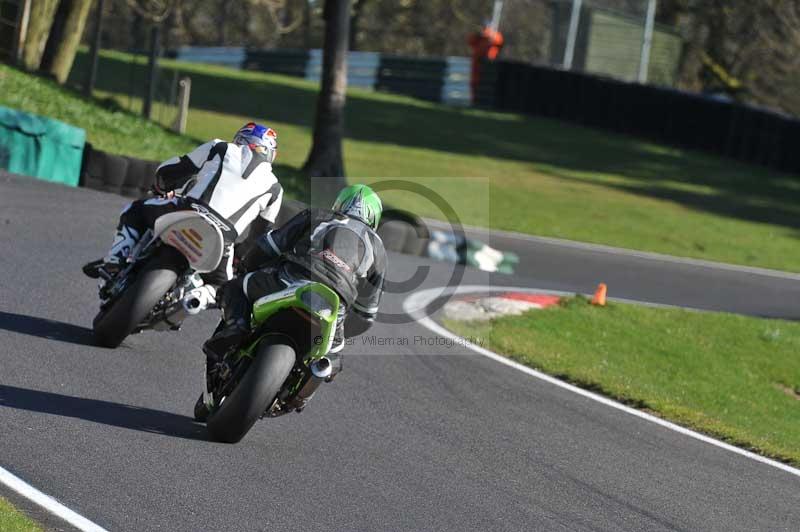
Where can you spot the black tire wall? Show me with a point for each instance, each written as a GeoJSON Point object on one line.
{"type": "Point", "coordinates": [126, 176]}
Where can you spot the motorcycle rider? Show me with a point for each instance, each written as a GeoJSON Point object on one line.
{"type": "Point", "coordinates": [337, 247]}
{"type": "Point", "coordinates": [234, 179]}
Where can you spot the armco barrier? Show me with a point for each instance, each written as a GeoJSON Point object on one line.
{"type": "Point", "coordinates": [440, 80]}
{"type": "Point", "coordinates": [288, 62]}
{"type": "Point", "coordinates": [231, 56]}
{"type": "Point", "coordinates": [420, 78]}
{"type": "Point", "coordinates": [362, 68]}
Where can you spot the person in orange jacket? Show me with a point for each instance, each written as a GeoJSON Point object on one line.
{"type": "Point", "coordinates": [485, 44]}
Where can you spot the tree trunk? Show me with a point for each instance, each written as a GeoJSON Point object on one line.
{"type": "Point", "coordinates": [41, 20]}
{"type": "Point", "coordinates": [325, 158]}
{"type": "Point", "coordinates": [70, 38]}
{"type": "Point", "coordinates": [55, 35]}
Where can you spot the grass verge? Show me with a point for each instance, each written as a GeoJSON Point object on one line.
{"type": "Point", "coordinates": [544, 177]}
{"type": "Point", "coordinates": [516, 173]}
{"type": "Point", "coordinates": [12, 520]}
{"type": "Point", "coordinates": [734, 377]}
{"type": "Point", "coordinates": [108, 127]}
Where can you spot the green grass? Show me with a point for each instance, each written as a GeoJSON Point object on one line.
{"type": "Point", "coordinates": [11, 520]}
{"type": "Point", "coordinates": [735, 377]}
{"type": "Point", "coordinates": [108, 128]}
{"type": "Point", "coordinates": [507, 171]}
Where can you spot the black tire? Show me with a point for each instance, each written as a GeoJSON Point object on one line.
{"type": "Point", "coordinates": [261, 383]}
{"type": "Point", "coordinates": [113, 324]}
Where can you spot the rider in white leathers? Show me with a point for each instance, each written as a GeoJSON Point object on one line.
{"type": "Point", "coordinates": [234, 179]}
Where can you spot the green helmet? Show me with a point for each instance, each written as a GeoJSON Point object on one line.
{"type": "Point", "coordinates": [361, 202]}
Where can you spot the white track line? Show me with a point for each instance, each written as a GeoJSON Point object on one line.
{"type": "Point", "coordinates": [47, 502]}
{"type": "Point", "coordinates": [649, 255]}
{"type": "Point", "coordinates": [416, 303]}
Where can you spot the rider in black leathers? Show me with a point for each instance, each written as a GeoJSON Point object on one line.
{"type": "Point", "coordinates": [337, 247]}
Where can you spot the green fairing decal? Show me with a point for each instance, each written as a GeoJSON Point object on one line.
{"type": "Point", "coordinates": [293, 297]}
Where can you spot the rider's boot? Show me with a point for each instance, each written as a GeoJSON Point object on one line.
{"type": "Point", "coordinates": [230, 336]}
{"type": "Point", "coordinates": [125, 238]}
{"type": "Point", "coordinates": [236, 323]}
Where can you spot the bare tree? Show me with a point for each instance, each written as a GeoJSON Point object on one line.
{"type": "Point", "coordinates": [325, 158]}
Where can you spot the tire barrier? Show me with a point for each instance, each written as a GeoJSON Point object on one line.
{"type": "Point", "coordinates": [403, 232]}
{"type": "Point", "coordinates": [118, 174]}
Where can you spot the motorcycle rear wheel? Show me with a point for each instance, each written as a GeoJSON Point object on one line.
{"type": "Point", "coordinates": [262, 381]}
{"type": "Point", "coordinates": [114, 323]}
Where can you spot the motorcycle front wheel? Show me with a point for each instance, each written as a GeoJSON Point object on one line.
{"type": "Point", "coordinates": [262, 381]}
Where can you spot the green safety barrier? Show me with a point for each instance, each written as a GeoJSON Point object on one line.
{"type": "Point", "coordinates": [40, 147]}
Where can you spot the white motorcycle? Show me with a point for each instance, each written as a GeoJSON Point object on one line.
{"type": "Point", "coordinates": [160, 284]}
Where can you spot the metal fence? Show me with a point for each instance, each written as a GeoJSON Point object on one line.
{"type": "Point", "coordinates": [12, 21]}
{"type": "Point", "coordinates": [124, 83]}
{"type": "Point", "coordinates": [615, 38]}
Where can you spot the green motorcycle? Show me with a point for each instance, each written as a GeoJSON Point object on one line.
{"type": "Point", "coordinates": [278, 367]}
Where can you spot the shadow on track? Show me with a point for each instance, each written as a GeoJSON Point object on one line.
{"type": "Point", "coordinates": [44, 328]}
{"type": "Point", "coordinates": [104, 412]}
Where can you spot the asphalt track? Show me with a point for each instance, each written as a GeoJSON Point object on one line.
{"type": "Point", "coordinates": [408, 438]}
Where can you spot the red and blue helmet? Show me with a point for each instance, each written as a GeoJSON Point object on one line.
{"type": "Point", "coordinates": [260, 138]}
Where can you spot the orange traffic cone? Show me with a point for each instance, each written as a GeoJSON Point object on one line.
{"type": "Point", "coordinates": [600, 295]}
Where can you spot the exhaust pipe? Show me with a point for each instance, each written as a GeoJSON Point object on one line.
{"type": "Point", "coordinates": [194, 302]}
{"type": "Point", "coordinates": [320, 370]}
{"type": "Point", "coordinates": [199, 299]}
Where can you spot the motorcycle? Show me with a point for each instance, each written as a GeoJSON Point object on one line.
{"type": "Point", "coordinates": [278, 366]}
{"type": "Point", "coordinates": [160, 284]}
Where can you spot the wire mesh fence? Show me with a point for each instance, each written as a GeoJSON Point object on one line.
{"type": "Point", "coordinates": [123, 79]}
{"type": "Point", "coordinates": [604, 37]}
{"type": "Point", "coordinates": [11, 16]}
